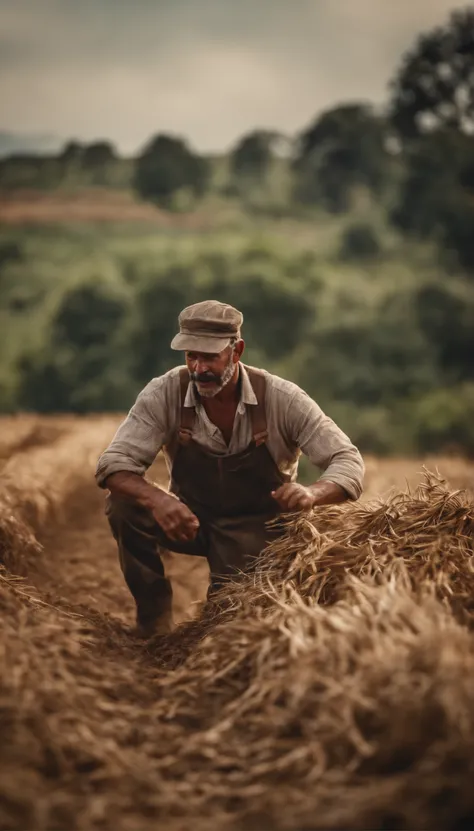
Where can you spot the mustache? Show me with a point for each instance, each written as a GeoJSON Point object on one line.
{"type": "Point", "coordinates": [206, 376]}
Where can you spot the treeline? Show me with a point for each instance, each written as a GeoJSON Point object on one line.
{"type": "Point", "coordinates": [416, 160]}
{"type": "Point", "coordinates": [77, 165]}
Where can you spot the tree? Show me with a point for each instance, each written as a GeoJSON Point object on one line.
{"type": "Point", "coordinates": [69, 163]}
{"type": "Point", "coordinates": [446, 318]}
{"type": "Point", "coordinates": [436, 198]}
{"type": "Point", "coordinates": [345, 147]}
{"type": "Point", "coordinates": [98, 155]}
{"type": "Point", "coordinates": [360, 242]}
{"type": "Point", "coordinates": [10, 252]}
{"type": "Point", "coordinates": [340, 125]}
{"type": "Point", "coordinates": [166, 166]}
{"type": "Point", "coordinates": [443, 420]}
{"type": "Point", "coordinates": [84, 364]}
{"type": "Point", "coordinates": [253, 154]}
{"type": "Point", "coordinates": [72, 152]}
{"type": "Point", "coordinates": [159, 301]}
{"type": "Point", "coordinates": [435, 84]}
{"type": "Point", "coordinates": [88, 315]}
{"type": "Point", "coordinates": [288, 315]}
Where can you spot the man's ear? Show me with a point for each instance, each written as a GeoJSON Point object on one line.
{"type": "Point", "coordinates": [238, 350]}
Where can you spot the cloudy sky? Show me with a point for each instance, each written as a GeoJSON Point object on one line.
{"type": "Point", "coordinates": [206, 69]}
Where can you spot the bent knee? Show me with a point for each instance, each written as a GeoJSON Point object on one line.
{"type": "Point", "coordinates": [119, 510]}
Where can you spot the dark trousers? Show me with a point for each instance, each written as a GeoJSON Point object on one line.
{"type": "Point", "coordinates": [230, 545]}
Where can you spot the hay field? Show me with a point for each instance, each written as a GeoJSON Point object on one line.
{"type": "Point", "coordinates": [335, 689]}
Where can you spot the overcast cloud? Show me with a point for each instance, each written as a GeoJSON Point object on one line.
{"type": "Point", "coordinates": [206, 69]}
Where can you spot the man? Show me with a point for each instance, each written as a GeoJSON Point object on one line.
{"type": "Point", "coordinates": [231, 436]}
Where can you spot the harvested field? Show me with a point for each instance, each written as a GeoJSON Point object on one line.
{"type": "Point", "coordinates": [331, 690]}
{"type": "Point", "coordinates": [93, 205]}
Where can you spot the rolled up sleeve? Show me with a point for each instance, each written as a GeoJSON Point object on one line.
{"type": "Point", "coordinates": [326, 445]}
{"type": "Point", "coordinates": [139, 438]}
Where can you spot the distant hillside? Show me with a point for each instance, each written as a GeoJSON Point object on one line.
{"type": "Point", "coordinates": [11, 143]}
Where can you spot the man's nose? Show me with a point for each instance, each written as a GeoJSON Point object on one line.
{"type": "Point", "coordinates": [201, 367]}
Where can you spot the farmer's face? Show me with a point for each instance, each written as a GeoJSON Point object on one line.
{"type": "Point", "coordinates": [211, 371]}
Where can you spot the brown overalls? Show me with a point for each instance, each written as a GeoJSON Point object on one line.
{"type": "Point", "coordinates": [231, 496]}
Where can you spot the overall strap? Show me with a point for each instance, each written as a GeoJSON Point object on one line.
{"type": "Point", "coordinates": [188, 414]}
{"type": "Point", "coordinates": [258, 413]}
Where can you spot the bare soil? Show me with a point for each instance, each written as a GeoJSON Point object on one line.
{"type": "Point", "coordinates": [91, 205]}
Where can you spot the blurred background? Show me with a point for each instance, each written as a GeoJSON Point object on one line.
{"type": "Point", "coordinates": [310, 162]}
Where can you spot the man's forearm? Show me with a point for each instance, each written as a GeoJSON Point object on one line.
{"type": "Point", "coordinates": [134, 487]}
{"type": "Point", "coordinates": [328, 493]}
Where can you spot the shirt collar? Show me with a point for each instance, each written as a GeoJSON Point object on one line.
{"type": "Point", "coordinates": [247, 395]}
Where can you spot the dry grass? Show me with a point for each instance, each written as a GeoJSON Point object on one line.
{"type": "Point", "coordinates": [35, 486]}
{"type": "Point", "coordinates": [24, 432]}
{"type": "Point", "coordinates": [427, 534]}
{"type": "Point", "coordinates": [385, 477]}
{"type": "Point", "coordinates": [332, 689]}
{"type": "Point", "coordinates": [356, 716]}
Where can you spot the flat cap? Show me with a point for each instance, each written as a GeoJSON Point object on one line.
{"type": "Point", "coordinates": [207, 327]}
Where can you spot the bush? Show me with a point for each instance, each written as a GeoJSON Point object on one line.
{"type": "Point", "coordinates": [87, 319]}
{"type": "Point", "coordinates": [83, 363]}
{"type": "Point", "coordinates": [167, 166]}
{"type": "Point", "coordinates": [444, 420]}
{"type": "Point", "coordinates": [445, 316]}
{"type": "Point", "coordinates": [359, 242]}
{"type": "Point", "coordinates": [10, 252]}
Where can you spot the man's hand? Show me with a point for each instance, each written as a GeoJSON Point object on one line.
{"type": "Point", "coordinates": [175, 518]}
{"type": "Point", "coordinates": [294, 497]}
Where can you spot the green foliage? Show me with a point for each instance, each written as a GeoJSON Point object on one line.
{"type": "Point", "coordinates": [446, 318]}
{"type": "Point", "coordinates": [444, 418]}
{"type": "Point", "coordinates": [166, 166]}
{"type": "Point", "coordinates": [437, 193]}
{"type": "Point", "coordinates": [360, 242]}
{"type": "Point", "coordinates": [373, 358]}
{"type": "Point", "coordinates": [434, 87]}
{"type": "Point", "coordinates": [71, 152]}
{"type": "Point", "coordinates": [86, 319]}
{"type": "Point", "coordinates": [432, 108]}
{"type": "Point", "coordinates": [344, 148]}
{"type": "Point", "coordinates": [253, 155]}
{"type": "Point", "coordinates": [98, 154]}
{"type": "Point", "coordinates": [159, 301]}
{"type": "Point", "coordinates": [277, 313]}
{"type": "Point", "coordinates": [75, 370]}
{"type": "Point", "coordinates": [10, 252]}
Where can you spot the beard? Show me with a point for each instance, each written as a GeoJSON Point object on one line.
{"type": "Point", "coordinates": [220, 381]}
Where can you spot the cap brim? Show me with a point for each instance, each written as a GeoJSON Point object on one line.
{"type": "Point", "coordinates": [198, 343]}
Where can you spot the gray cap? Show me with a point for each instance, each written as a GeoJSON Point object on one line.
{"type": "Point", "coordinates": [207, 327]}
